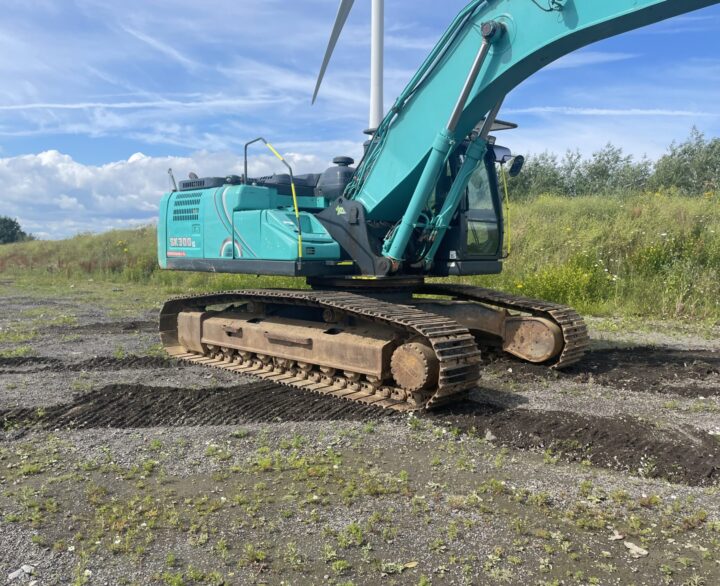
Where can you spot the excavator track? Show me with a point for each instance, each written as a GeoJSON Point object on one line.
{"type": "Point", "coordinates": [573, 327]}
{"type": "Point", "coordinates": [454, 348]}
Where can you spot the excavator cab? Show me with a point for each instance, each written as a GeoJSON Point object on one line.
{"type": "Point", "coordinates": [476, 233]}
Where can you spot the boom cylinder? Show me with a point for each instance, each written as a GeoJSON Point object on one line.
{"type": "Point", "coordinates": [473, 157]}
{"type": "Point", "coordinates": [396, 245]}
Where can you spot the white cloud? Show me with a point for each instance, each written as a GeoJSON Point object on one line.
{"type": "Point", "coordinates": [55, 196]}
{"type": "Point", "coordinates": [572, 111]}
{"type": "Point", "coordinates": [588, 58]}
{"type": "Point", "coordinates": [69, 203]}
{"type": "Point", "coordinates": [162, 48]}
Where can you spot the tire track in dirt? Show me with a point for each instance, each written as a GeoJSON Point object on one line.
{"type": "Point", "coordinates": [29, 365]}
{"type": "Point", "coordinates": [688, 373]}
{"type": "Point", "coordinates": [127, 406]}
{"type": "Point", "coordinates": [115, 327]}
{"type": "Point", "coordinates": [626, 444]}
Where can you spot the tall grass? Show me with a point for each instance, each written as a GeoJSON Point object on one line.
{"type": "Point", "coordinates": [117, 256]}
{"type": "Point", "coordinates": [646, 255]}
{"type": "Point", "coordinates": [652, 255]}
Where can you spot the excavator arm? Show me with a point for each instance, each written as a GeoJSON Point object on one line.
{"type": "Point", "coordinates": [490, 48]}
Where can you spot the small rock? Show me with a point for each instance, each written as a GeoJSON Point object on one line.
{"type": "Point", "coordinates": [616, 536]}
{"type": "Point", "coordinates": [28, 569]}
{"type": "Point", "coordinates": [15, 575]}
{"type": "Point", "coordinates": [636, 551]}
{"type": "Point", "coordinates": [490, 436]}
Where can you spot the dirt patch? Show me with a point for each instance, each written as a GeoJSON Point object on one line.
{"type": "Point", "coordinates": [133, 406]}
{"type": "Point", "coordinates": [688, 373]}
{"type": "Point", "coordinates": [115, 327]}
{"type": "Point", "coordinates": [39, 364]}
{"type": "Point", "coordinates": [626, 444]}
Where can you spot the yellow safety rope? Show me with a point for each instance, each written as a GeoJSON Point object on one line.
{"type": "Point", "coordinates": [507, 207]}
{"type": "Point", "coordinates": [294, 197]}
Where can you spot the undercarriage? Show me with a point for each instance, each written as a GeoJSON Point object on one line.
{"type": "Point", "coordinates": [404, 346]}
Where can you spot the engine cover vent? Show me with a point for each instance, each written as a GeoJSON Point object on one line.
{"type": "Point", "coordinates": [204, 183]}
{"type": "Point", "coordinates": [187, 207]}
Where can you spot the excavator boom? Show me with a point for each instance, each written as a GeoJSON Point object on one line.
{"type": "Point", "coordinates": [446, 99]}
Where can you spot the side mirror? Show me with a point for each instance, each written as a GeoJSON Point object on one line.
{"type": "Point", "coordinates": [516, 165]}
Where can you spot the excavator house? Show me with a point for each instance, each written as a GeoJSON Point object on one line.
{"type": "Point", "coordinates": [425, 201]}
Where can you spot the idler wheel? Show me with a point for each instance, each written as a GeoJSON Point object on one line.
{"type": "Point", "coordinates": [415, 367]}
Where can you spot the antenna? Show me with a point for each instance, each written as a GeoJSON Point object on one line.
{"type": "Point", "coordinates": [173, 183]}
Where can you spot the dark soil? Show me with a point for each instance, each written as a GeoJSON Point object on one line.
{"type": "Point", "coordinates": [133, 406]}
{"type": "Point", "coordinates": [638, 369]}
{"type": "Point", "coordinates": [625, 444]}
{"type": "Point", "coordinates": [28, 365]}
{"type": "Point", "coordinates": [116, 327]}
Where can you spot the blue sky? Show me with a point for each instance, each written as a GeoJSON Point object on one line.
{"type": "Point", "coordinates": [100, 97]}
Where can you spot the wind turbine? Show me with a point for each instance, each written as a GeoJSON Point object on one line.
{"type": "Point", "coordinates": [377, 48]}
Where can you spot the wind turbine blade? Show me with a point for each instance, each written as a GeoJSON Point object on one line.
{"type": "Point", "coordinates": [340, 19]}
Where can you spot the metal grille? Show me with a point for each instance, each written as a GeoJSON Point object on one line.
{"type": "Point", "coordinates": [186, 207]}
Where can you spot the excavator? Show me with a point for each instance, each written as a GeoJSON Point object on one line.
{"type": "Point", "coordinates": [424, 202]}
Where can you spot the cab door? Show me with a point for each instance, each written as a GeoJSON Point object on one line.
{"type": "Point", "coordinates": [483, 222]}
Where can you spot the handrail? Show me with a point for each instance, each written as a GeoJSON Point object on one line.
{"type": "Point", "coordinates": [292, 185]}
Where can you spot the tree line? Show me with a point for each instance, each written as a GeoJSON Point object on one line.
{"type": "Point", "coordinates": [691, 167]}
{"type": "Point", "coordinates": [10, 231]}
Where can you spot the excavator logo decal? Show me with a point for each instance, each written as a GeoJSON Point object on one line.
{"type": "Point", "coordinates": [340, 211]}
{"type": "Point", "coordinates": [182, 243]}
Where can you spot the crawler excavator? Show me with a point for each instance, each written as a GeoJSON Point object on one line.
{"type": "Point", "coordinates": [423, 202]}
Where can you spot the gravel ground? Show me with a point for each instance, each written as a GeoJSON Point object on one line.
{"type": "Point", "coordinates": [120, 467]}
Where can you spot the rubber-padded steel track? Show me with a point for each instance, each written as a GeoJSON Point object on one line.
{"type": "Point", "coordinates": [574, 330]}
{"type": "Point", "coordinates": [454, 346]}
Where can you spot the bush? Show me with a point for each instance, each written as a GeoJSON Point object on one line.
{"type": "Point", "coordinates": [691, 167]}
{"type": "Point", "coordinates": [10, 231]}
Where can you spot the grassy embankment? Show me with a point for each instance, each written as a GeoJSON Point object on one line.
{"type": "Point", "coordinates": [653, 255]}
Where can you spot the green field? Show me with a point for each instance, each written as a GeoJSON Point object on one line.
{"type": "Point", "coordinates": [654, 255]}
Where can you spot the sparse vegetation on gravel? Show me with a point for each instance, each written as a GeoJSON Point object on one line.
{"type": "Point", "coordinates": [119, 466]}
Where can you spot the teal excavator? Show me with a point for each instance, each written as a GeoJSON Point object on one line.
{"type": "Point", "coordinates": [424, 202]}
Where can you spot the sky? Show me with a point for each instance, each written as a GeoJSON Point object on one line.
{"type": "Point", "coordinates": [99, 98]}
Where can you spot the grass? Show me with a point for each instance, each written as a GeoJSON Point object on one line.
{"type": "Point", "coordinates": [650, 255]}
{"type": "Point", "coordinates": [643, 255]}
{"type": "Point", "coordinates": [122, 257]}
